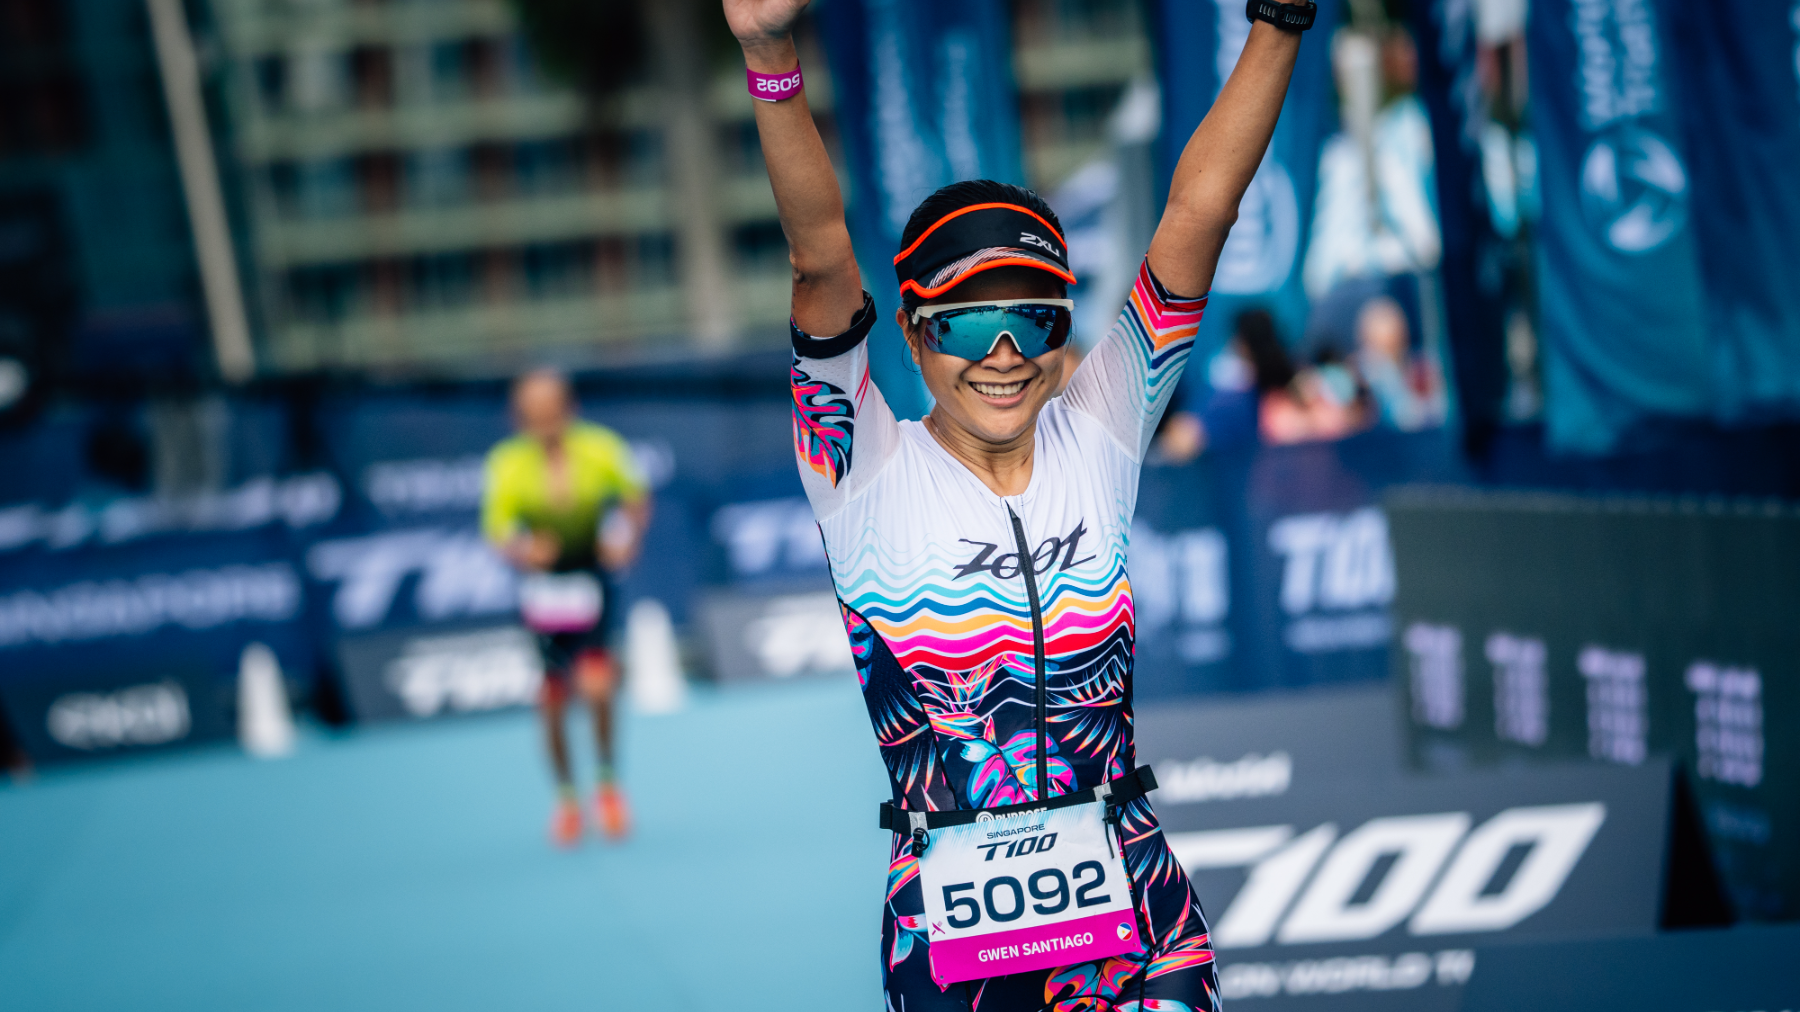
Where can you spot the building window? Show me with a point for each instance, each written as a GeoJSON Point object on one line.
{"type": "Point", "coordinates": [443, 280]}
{"type": "Point", "coordinates": [761, 247]}
{"type": "Point", "coordinates": [558, 269]}
{"type": "Point", "coordinates": [547, 166]}
{"type": "Point", "coordinates": [438, 177]}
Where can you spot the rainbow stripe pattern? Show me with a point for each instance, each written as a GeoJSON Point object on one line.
{"type": "Point", "coordinates": [927, 570]}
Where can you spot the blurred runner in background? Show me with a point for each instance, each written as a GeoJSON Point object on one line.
{"type": "Point", "coordinates": [566, 504]}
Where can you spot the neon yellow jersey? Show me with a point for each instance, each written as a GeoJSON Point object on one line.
{"type": "Point", "coordinates": [516, 498]}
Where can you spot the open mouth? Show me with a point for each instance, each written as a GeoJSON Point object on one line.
{"type": "Point", "coordinates": [999, 391]}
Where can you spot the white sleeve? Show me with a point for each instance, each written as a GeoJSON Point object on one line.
{"type": "Point", "coordinates": [844, 431]}
{"type": "Point", "coordinates": [1126, 382]}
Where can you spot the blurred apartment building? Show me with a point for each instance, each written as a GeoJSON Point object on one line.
{"type": "Point", "coordinates": [410, 192]}
{"type": "Point", "coordinates": [1073, 60]}
{"type": "Point", "coordinates": [422, 195]}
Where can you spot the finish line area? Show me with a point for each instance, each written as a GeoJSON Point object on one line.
{"type": "Point", "coordinates": [408, 867]}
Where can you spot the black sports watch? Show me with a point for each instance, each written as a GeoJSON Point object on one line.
{"type": "Point", "coordinates": [1287, 17]}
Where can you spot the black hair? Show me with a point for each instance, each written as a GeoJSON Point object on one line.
{"type": "Point", "coordinates": [1274, 369]}
{"type": "Point", "coordinates": [973, 191]}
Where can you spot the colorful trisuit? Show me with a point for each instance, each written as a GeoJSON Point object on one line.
{"type": "Point", "coordinates": [929, 579]}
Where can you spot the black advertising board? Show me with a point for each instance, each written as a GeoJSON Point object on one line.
{"type": "Point", "coordinates": [1536, 628]}
{"type": "Point", "coordinates": [1733, 970]}
{"type": "Point", "coordinates": [106, 712]}
{"type": "Point", "coordinates": [430, 671]}
{"type": "Point", "coordinates": [1226, 747]}
{"type": "Point", "coordinates": [1377, 893]}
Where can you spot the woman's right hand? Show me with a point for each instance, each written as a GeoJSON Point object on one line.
{"type": "Point", "coordinates": [761, 21]}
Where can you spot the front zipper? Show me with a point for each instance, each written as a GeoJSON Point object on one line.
{"type": "Point", "coordinates": [1028, 566]}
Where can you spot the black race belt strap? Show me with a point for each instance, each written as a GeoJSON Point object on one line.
{"type": "Point", "coordinates": [1120, 792]}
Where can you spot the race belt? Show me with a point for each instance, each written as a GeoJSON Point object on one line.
{"type": "Point", "coordinates": [1120, 792]}
{"type": "Point", "coordinates": [1026, 887]}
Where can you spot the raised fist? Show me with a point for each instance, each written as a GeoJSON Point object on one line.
{"type": "Point", "coordinates": [762, 20]}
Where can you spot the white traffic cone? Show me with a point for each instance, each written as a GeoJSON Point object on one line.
{"type": "Point", "coordinates": [652, 662]}
{"type": "Point", "coordinates": [265, 723]}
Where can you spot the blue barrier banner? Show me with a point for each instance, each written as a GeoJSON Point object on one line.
{"type": "Point", "coordinates": [1474, 301]}
{"type": "Point", "coordinates": [124, 615]}
{"type": "Point", "coordinates": [1739, 66]}
{"type": "Point", "coordinates": [924, 97]}
{"type": "Point", "coordinates": [1622, 329]}
{"type": "Point", "coordinates": [1271, 567]}
{"type": "Point", "coordinates": [127, 647]}
{"type": "Point", "coordinates": [1199, 44]}
{"type": "Point", "coordinates": [407, 594]}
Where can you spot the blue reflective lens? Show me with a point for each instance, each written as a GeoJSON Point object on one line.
{"type": "Point", "coordinates": [971, 332]}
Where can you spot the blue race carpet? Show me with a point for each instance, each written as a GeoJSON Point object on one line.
{"type": "Point", "coordinates": [407, 867]}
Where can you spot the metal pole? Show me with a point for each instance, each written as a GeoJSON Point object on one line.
{"type": "Point", "coordinates": [200, 184]}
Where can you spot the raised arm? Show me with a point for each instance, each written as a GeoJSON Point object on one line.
{"type": "Point", "coordinates": [827, 284]}
{"type": "Point", "coordinates": [1219, 161]}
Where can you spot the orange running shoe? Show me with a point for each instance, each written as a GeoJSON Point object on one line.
{"type": "Point", "coordinates": [565, 824]}
{"type": "Point", "coordinates": [611, 812]}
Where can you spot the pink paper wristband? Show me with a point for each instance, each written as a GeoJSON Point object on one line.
{"type": "Point", "coordinates": [774, 87]}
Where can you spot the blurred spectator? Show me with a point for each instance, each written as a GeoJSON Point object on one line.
{"type": "Point", "coordinates": [1251, 362]}
{"type": "Point", "coordinates": [1323, 402]}
{"type": "Point", "coordinates": [1376, 212]}
{"type": "Point", "coordinates": [1254, 389]}
{"type": "Point", "coordinates": [1406, 390]}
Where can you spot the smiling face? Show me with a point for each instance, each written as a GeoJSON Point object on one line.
{"type": "Point", "coordinates": [997, 399]}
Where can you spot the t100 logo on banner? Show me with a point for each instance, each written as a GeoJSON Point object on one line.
{"type": "Point", "coordinates": [1382, 873]}
{"type": "Point", "coordinates": [1337, 579]}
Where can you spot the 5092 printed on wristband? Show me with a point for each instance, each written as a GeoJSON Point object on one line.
{"type": "Point", "coordinates": [774, 87]}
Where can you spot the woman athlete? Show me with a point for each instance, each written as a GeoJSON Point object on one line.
{"type": "Point", "coordinates": [979, 555]}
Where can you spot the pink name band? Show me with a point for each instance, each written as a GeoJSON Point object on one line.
{"type": "Point", "coordinates": [774, 87]}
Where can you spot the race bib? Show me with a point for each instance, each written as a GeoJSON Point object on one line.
{"type": "Point", "coordinates": [1025, 891]}
{"type": "Point", "coordinates": [560, 602]}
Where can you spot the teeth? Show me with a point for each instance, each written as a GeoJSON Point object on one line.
{"type": "Point", "coordinates": [998, 389]}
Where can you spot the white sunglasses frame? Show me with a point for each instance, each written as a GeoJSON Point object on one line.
{"type": "Point", "coordinates": [927, 312]}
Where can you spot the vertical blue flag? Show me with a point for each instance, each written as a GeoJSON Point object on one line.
{"type": "Point", "coordinates": [1619, 279]}
{"type": "Point", "coordinates": [1198, 45]}
{"type": "Point", "coordinates": [925, 97]}
{"type": "Point", "coordinates": [1738, 62]}
{"type": "Point", "coordinates": [1474, 300]}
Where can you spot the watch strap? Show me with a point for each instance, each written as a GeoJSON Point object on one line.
{"type": "Point", "coordinates": [1287, 17]}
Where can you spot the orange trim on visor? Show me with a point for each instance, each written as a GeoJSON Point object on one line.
{"type": "Point", "coordinates": [987, 265]}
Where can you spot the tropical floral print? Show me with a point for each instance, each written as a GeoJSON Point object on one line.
{"type": "Point", "coordinates": [929, 568]}
{"type": "Point", "coordinates": [823, 424]}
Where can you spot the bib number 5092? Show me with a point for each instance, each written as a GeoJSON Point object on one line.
{"type": "Point", "coordinates": [1049, 887]}
{"type": "Point", "coordinates": [1025, 891]}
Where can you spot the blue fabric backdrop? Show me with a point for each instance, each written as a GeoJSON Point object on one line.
{"type": "Point", "coordinates": [924, 97]}
{"type": "Point", "coordinates": [1738, 62]}
{"type": "Point", "coordinates": [1622, 318]}
{"type": "Point", "coordinates": [1473, 292]}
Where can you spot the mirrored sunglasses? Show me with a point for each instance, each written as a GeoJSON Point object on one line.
{"type": "Point", "coordinates": [971, 329]}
